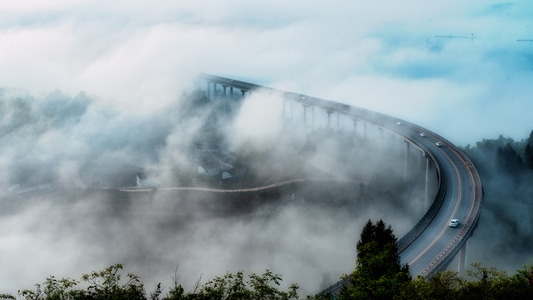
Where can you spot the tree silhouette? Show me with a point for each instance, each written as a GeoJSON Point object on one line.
{"type": "Point", "coordinates": [508, 159]}
{"type": "Point", "coordinates": [378, 273]}
{"type": "Point", "coordinates": [528, 153]}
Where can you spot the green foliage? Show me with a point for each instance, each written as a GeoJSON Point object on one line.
{"type": "Point", "coordinates": [504, 229]}
{"type": "Point", "coordinates": [109, 285]}
{"type": "Point", "coordinates": [229, 286]}
{"type": "Point", "coordinates": [484, 283]}
{"type": "Point", "coordinates": [508, 159]}
{"type": "Point", "coordinates": [233, 286]}
{"type": "Point", "coordinates": [445, 285]}
{"type": "Point", "coordinates": [53, 289]}
{"type": "Point", "coordinates": [417, 289]}
{"type": "Point", "coordinates": [490, 283]}
{"type": "Point", "coordinates": [106, 284]}
{"type": "Point", "coordinates": [378, 273]}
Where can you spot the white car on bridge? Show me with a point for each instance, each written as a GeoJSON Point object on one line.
{"type": "Point", "coordinates": [454, 223]}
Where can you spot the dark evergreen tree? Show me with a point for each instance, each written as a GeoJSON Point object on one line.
{"type": "Point", "coordinates": [378, 273]}
{"type": "Point", "coordinates": [508, 159]}
{"type": "Point", "coordinates": [528, 153]}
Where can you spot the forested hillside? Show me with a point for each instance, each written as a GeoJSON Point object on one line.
{"type": "Point", "coordinates": [504, 237]}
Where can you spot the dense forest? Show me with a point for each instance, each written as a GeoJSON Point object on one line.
{"type": "Point", "coordinates": [504, 237]}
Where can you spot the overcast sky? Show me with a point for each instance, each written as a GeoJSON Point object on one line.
{"type": "Point", "coordinates": [456, 67]}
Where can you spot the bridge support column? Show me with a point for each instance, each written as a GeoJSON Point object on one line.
{"type": "Point", "coordinates": [329, 118]}
{"type": "Point", "coordinates": [313, 117]}
{"type": "Point", "coordinates": [305, 115]}
{"type": "Point", "coordinates": [338, 122]}
{"type": "Point", "coordinates": [225, 99]}
{"type": "Point", "coordinates": [405, 161]}
{"type": "Point", "coordinates": [365, 130]}
{"type": "Point", "coordinates": [461, 259]}
{"type": "Point", "coordinates": [381, 139]}
{"type": "Point", "coordinates": [287, 112]}
{"type": "Point", "coordinates": [214, 93]}
{"type": "Point", "coordinates": [426, 196]}
{"type": "Point", "coordinates": [354, 126]}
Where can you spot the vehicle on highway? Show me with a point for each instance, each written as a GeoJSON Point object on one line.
{"type": "Point", "coordinates": [422, 134]}
{"type": "Point", "coordinates": [399, 123]}
{"type": "Point", "coordinates": [454, 223]}
{"type": "Point", "coordinates": [438, 144]}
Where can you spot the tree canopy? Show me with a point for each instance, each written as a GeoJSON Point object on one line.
{"type": "Point", "coordinates": [378, 273]}
{"type": "Point", "coordinates": [109, 284]}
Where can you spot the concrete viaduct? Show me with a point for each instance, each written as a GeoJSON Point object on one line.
{"type": "Point", "coordinates": [431, 245]}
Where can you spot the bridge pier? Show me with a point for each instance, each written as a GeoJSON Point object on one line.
{"type": "Point", "coordinates": [211, 91]}
{"type": "Point", "coordinates": [305, 107]}
{"type": "Point", "coordinates": [225, 99]}
{"type": "Point", "coordinates": [329, 112]}
{"type": "Point", "coordinates": [405, 161]}
{"type": "Point", "coordinates": [208, 83]}
{"type": "Point", "coordinates": [312, 117]}
{"type": "Point", "coordinates": [426, 192]}
{"type": "Point", "coordinates": [381, 139]}
{"type": "Point", "coordinates": [354, 126]}
{"type": "Point", "coordinates": [305, 114]}
{"type": "Point", "coordinates": [284, 110]}
{"type": "Point", "coordinates": [461, 259]}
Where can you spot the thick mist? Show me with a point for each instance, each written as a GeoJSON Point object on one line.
{"type": "Point", "coordinates": [71, 203]}
{"type": "Point", "coordinates": [504, 237]}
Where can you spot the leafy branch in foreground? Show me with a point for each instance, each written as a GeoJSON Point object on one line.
{"type": "Point", "coordinates": [109, 284]}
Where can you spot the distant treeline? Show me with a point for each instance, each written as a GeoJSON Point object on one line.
{"type": "Point", "coordinates": [504, 237]}
{"type": "Point", "coordinates": [503, 154]}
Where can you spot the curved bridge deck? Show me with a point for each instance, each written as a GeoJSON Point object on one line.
{"type": "Point", "coordinates": [431, 245]}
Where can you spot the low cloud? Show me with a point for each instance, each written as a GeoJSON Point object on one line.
{"type": "Point", "coordinates": [59, 148]}
{"type": "Point", "coordinates": [119, 71]}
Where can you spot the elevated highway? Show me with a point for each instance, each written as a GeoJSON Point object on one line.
{"type": "Point", "coordinates": [431, 245]}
